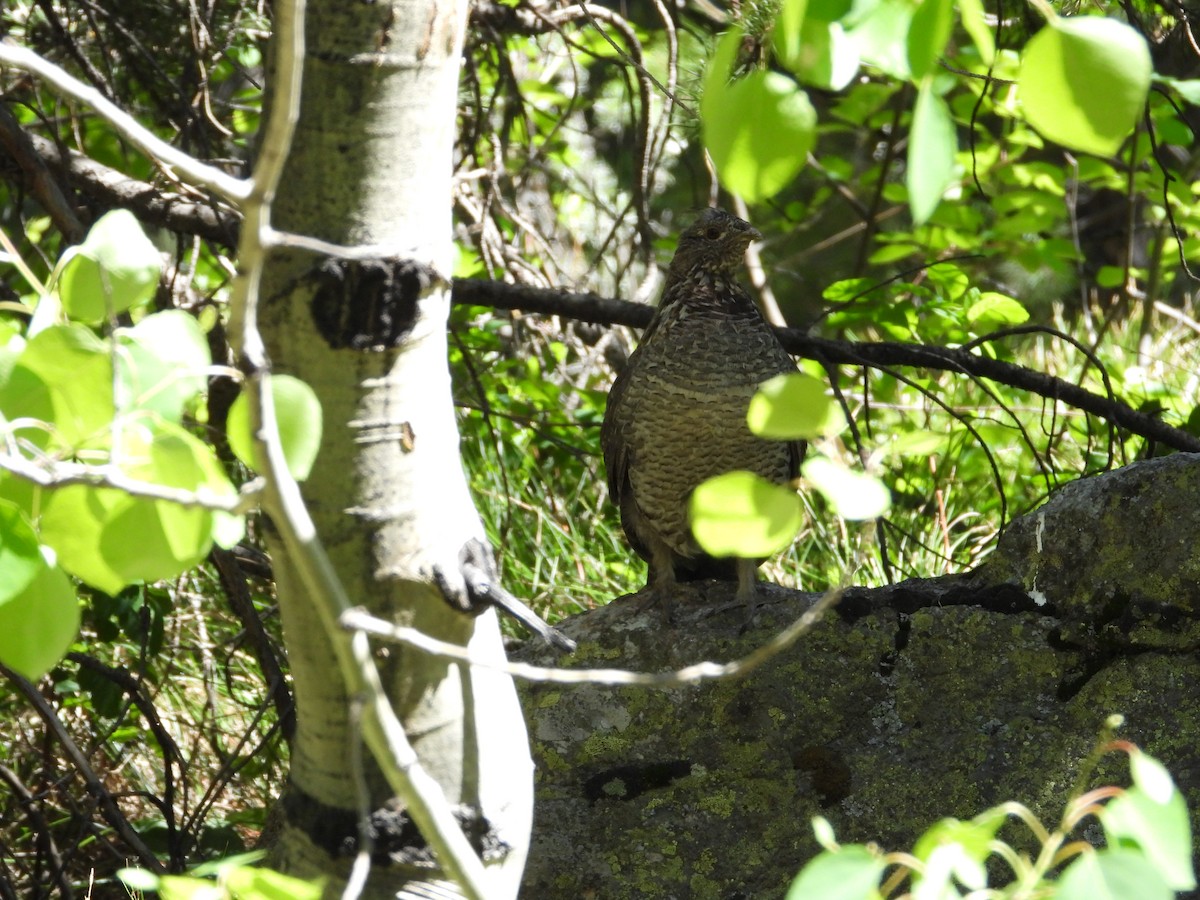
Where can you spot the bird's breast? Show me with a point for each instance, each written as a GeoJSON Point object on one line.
{"type": "Point", "coordinates": [685, 431]}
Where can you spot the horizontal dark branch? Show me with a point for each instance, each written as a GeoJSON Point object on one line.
{"type": "Point", "coordinates": [539, 17]}
{"type": "Point", "coordinates": [109, 188]}
{"type": "Point", "coordinates": [592, 308]}
{"type": "Point", "coordinates": [522, 19]}
{"type": "Point", "coordinates": [926, 356]}
{"type": "Point", "coordinates": [581, 307]}
{"type": "Point", "coordinates": [36, 176]}
{"type": "Point", "coordinates": [171, 211]}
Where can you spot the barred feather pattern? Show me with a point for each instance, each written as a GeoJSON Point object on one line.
{"type": "Point", "coordinates": [676, 414]}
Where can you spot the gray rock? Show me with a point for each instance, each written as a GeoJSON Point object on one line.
{"type": "Point", "coordinates": [932, 698]}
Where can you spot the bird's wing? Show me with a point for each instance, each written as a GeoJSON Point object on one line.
{"type": "Point", "coordinates": [615, 445]}
{"type": "Point", "coordinates": [613, 442]}
{"type": "Point", "coordinates": [796, 451]}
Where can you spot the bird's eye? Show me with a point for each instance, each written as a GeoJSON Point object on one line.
{"type": "Point", "coordinates": [712, 232]}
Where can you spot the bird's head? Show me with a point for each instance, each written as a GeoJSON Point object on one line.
{"type": "Point", "coordinates": [715, 243]}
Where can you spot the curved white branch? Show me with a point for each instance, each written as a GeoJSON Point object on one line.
{"type": "Point", "coordinates": [65, 474]}
{"type": "Point", "coordinates": [190, 169]}
{"type": "Point", "coordinates": [359, 620]}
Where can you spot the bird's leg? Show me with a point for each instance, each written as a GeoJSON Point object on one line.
{"type": "Point", "coordinates": [662, 580]}
{"type": "Point", "coordinates": [747, 589]}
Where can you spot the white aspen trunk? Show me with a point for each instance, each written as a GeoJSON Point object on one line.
{"type": "Point", "coordinates": [371, 164]}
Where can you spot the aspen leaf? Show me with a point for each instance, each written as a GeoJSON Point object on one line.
{"type": "Point", "coordinates": [114, 269]}
{"type": "Point", "coordinates": [742, 514]}
{"type": "Point", "coordinates": [298, 413]}
{"type": "Point", "coordinates": [1083, 82]}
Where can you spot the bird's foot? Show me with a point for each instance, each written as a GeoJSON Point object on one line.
{"type": "Point", "coordinates": [747, 601]}
{"type": "Point", "coordinates": [669, 596]}
{"type": "Point", "coordinates": [751, 607]}
{"type": "Point", "coordinates": [661, 598]}
{"type": "Point", "coordinates": [655, 598]}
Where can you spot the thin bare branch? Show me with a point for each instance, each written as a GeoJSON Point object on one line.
{"type": "Point", "coordinates": [95, 785]}
{"type": "Point", "coordinates": [110, 188]}
{"type": "Point", "coordinates": [359, 620]}
{"type": "Point", "coordinates": [273, 238]}
{"type": "Point", "coordinates": [65, 474]}
{"type": "Point", "coordinates": [235, 190]}
{"type": "Point", "coordinates": [40, 181]}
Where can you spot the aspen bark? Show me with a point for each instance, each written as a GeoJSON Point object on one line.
{"type": "Point", "coordinates": [371, 164]}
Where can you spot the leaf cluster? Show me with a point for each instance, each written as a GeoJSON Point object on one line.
{"type": "Point", "coordinates": [111, 408]}
{"type": "Point", "coordinates": [1148, 851]}
{"type": "Point", "coordinates": [106, 477]}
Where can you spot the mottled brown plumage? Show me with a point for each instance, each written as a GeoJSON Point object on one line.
{"type": "Point", "coordinates": [676, 414]}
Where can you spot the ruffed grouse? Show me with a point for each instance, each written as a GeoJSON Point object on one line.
{"type": "Point", "coordinates": [676, 414]}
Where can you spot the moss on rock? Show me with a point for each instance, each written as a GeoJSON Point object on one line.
{"type": "Point", "coordinates": [881, 719]}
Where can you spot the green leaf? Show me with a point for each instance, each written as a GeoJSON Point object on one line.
{"type": "Point", "coordinates": [974, 836]}
{"type": "Point", "coordinates": [955, 851]}
{"type": "Point", "coordinates": [1160, 830]}
{"type": "Point", "coordinates": [1189, 90]}
{"type": "Point", "coordinates": [814, 45]}
{"type": "Point", "coordinates": [889, 253]}
{"type": "Point", "coordinates": [852, 495]}
{"type": "Point", "coordinates": [227, 528]}
{"type": "Point", "coordinates": [787, 39]}
{"type": "Point", "coordinates": [823, 832]}
{"type": "Point", "coordinates": [918, 443]}
{"type": "Point", "coordinates": [852, 873]}
{"type": "Point", "coordinates": [11, 349]}
{"type": "Point", "coordinates": [931, 149]}
{"type": "Point", "coordinates": [1110, 276]}
{"type": "Point", "coordinates": [49, 312]}
{"type": "Point", "coordinates": [741, 514]}
{"type": "Point", "coordinates": [72, 523]}
{"type": "Point", "coordinates": [848, 290]}
{"type": "Point", "coordinates": [64, 378]}
{"type": "Point", "coordinates": [173, 538]}
{"type": "Point", "coordinates": [1114, 874]}
{"type": "Point", "coordinates": [826, 57]}
{"type": "Point", "coordinates": [975, 23]}
{"type": "Point", "coordinates": [90, 528]}
{"type": "Point", "coordinates": [993, 311]}
{"type": "Point", "coordinates": [220, 867]}
{"type": "Point", "coordinates": [21, 493]}
{"type": "Point", "coordinates": [1083, 82]}
{"type": "Point", "coordinates": [879, 28]}
{"type": "Point", "coordinates": [1151, 777]}
{"type": "Point", "coordinates": [38, 625]}
{"type": "Point", "coordinates": [828, 10]}
{"type": "Point", "coordinates": [947, 865]}
{"type": "Point", "coordinates": [162, 364]}
{"type": "Point", "coordinates": [139, 879]}
{"type": "Point", "coordinates": [182, 887]}
{"type": "Point", "coordinates": [298, 413]}
{"type": "Point", "coordinates": [20, 556]}
{"type": "Point", "coordinates": [927, 37]}
{"type": "Point", "coordinates": [114, 269]}
{"type": "Point", "coordinates": [758, 129]}
{"type": "Point", "coordinates": [793, 406]}
{"type": "Point", "coordinates": [265, 884]}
